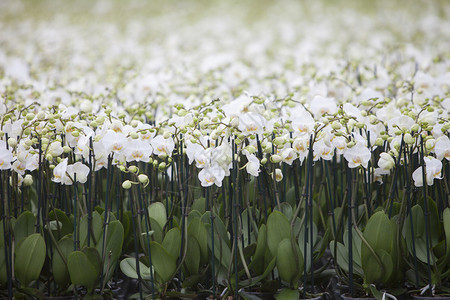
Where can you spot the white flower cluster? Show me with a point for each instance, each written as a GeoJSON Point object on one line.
{"type": "Point", "coordinates": [200, 82]}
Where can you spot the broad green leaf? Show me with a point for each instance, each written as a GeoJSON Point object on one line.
{"type": "Point", "coordinates": [111, 249]}
{"type": "Point", "coordinates": [278, 229]}
{"type": "Point", "coordinates": [59, 267]}
{"type": "Point", "coordinates": [446, 223]}
{"type": "Point", "coordinates": [286, 209]}
{"type": "Point", "coordinates": [356, 246]}
{"type": "Point", "coordinates": [374, 273]}
{"type": "Point", "coordinates": [380, 235]}
{"type": "Point", "coordinates": [96, 229]}
{"type": "Point", "coordinates": [84, 267]}
{"type": "Point", "coordinates": [162, 261]}
{"type": "Point", "coordinates": [433, 217]}
{"type": "Point", "coordinates": [342, 259]}
{"type": "Point", "coordinates": [128, 267]}
{"type": "Point", "coordinates": [219, 226]}
{"type": "Point", "coordinates": [24, 226]}
{"type": "Point", "coordinates": [66, 226]}
{"type": "Point", "coordinates": [254, 281]}
{"type": "Point", "coordinates": [221, 251]}
{"type": "Point", "coordinates": [379, 232]}
{"type": "Point", "coordinates": [197, 229]}
{"type": "Point", "coordinates": [192, 261]}
{"type": "Point", "coordinates": [199, 205]}
{"type": "Point", "coordinates": [157, 211]}
{"type": "Point", "coordinates": [172, 242]}
{"type": "Point", "coordinates": [157, 230]}
{"type": "Point", "coordinates": [257, 263]}
{"type": "Point", "coordinates": [246, 226]}
{"type": "Point", "coordinates": [30, 258]}
{"type": "Point", "coordinates": [288, 269]}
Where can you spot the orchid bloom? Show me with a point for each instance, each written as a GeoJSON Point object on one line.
{"type": "Point", "coordinates": [433, 169]}
{"type": "Point", "coordinates": [211, 175]}
{"type": "Point", "coordinates": [386, 162]}
{"type": "Point", "coordinates": [358, 155]}
{"type": "Point", "coordinates": [6, 156]}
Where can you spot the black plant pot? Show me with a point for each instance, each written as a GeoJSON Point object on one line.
{"type": "Point", "coordinates": [347, 297]}
{"type": "Point", "coordinates": [417, 297]}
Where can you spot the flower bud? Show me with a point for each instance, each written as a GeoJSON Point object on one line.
{"type": "Point", "coordinates": [336, 125]}
{"type": "Point", "coordinates": [143, 178]}
{"type": "Point", "coordinates": [28, 180]}
{"type": "Point", "coordinates": [264, 161]}
{"type": "Point", "coordinates": [275, 158]}
{"type": "Point", "coordinates": [430, 144]}
{"type": "Point", "coordinates": [126, 184]}
{"type": "Point", "coordinates": [251, 149]}
{"type": "Point", "coordinates": [379, 142]}
{"type": "Point", "coordinates": [162, 166]}
{"type": "Point", "coordinates": [132, 169]}
{"type": "Point", "coordinates": [12, 142]}
{"type": "Point", "coordinates": [408, 139]}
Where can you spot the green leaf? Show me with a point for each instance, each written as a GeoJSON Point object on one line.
{"type": "Point", "coordinates": [288, 294]}
{"type": "Point", "coordinates": [24, 226]}
{"type": "Point", "coordinates": [30, 258]}
{"type": "Point", "coordinates": [172, 242]}
{"type": "Point", "coordinates": [114, 235]}
{"type": "Point", "coordinates": [199, 205]}
{"type": "Point", "coordinates": [446, 223]}
{"type": "Point", "coordinates": [192, 261]}
{"type": "Point", "coordinates": [163, 262]}
{"type": "Point", "coordinates": [59, 267]}
{"type": "Point", "coordinates": [96, 230]}
{"type": "Point", "coordinates": [221, 251]}
{"type": "Point", "coordinates": [128, 267]}
{"type": "Point", "coordinates": [197, 229]}
{"type": "Point", "coordinates": [255, 280]}
{"type": "Point", "coordinates": [66, 225]}
{"type": "Point", "coordinates": [157, 230]}
{"type": "Point", "coordinates": [157, 211]}
{"type": "Point", "coordinates": [288, 270]}
{"type": "Point", "coordinates": [84, 267]}
{"type": "Point", "coordinates": [278, 229]}
{"type": "Point", "coordinates": [380, 234]}
{"type": "Point", "coordinates": [257, 263]}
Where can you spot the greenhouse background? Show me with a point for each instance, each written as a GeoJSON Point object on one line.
{"type": "Point", "coordinates": [224, 149]}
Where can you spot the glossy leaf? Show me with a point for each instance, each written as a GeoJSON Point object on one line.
{"type": "Point", "coordinates": [157, 211]}
{"type": "Point", "coordinates": [30, 258]}
{"type": "Point", "coordinates": [278, 229]}
{"type": "Point", "coordinates": [128, 267]}
{"type": "Point", "coordinates": [25, 226]}
{"type": "Point", "coordinates": [287, 267]}
{"type": "Point", "coordinates": [192, 261]}
{"type": "Point", "coordinates": [84, 267]}
{"type": "Point", "coordinates": [197, 229]}
{"type": "Point", "coordinates": [96, 229]}
{"type": "Point", "coordinates": [66, 225]}
{"type": "Point", "coordinates": [163, 262]}
{"type": "Point", "coordinates": [172, 242]}
{"type": "Point", "coordinates": [59, 267]}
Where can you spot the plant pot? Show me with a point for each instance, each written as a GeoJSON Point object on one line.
{"type": "Point", "coordinates": [418, 297]}
{"type": "Point", "coordinates": [347, 297]}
